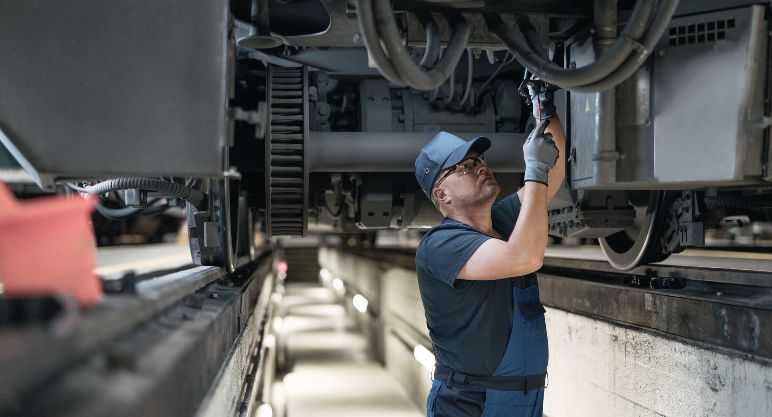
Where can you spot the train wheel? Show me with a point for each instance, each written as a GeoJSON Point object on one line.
{"type": "Point", "coordinates": [642, 242]}
{"type": "Point", "coordinates": [224, 232]}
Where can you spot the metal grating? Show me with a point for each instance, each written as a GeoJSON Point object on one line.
{"type": "Point", "coordinates": [286, 173]}
{"type": "Point", "coordinates": [694, 33]}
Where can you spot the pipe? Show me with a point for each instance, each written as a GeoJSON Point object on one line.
{"type": "Point", "coordinates": [402, 62]}
{"type": "Point", "coordinates": [574, 77]}
{"type": "Point", "coordinates": [661, 21]}
{"type": "Point", "coordinates": [366, 24]}
{"type": "Point", "coordinates": [605, 154]}
{"type": "Point", "coordinates": [396, 151]}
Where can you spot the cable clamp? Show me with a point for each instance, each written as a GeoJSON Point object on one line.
{"type": "Point", "coordinates": [638, 46]}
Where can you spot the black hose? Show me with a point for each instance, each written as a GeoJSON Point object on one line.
{"type": "Point", "coordinates": [402, 62]}
{"type": "Point", "coordinates": [366, 24]}
{"type": "Point", "coordinates": [661, 21]}
{"type": "Point", "coordinates": [738, 201]}
{"type": "Point", "coordinates": [532, 36]}
{"type": "Point", "coordinates": [193, 196]}
{"type": "Point", "coordinates": [574, 77]}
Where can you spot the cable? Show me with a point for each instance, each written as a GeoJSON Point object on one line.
{"type": "Point", "coordinates": [451, 90]}
{"type": "Point", "coordinates": [366, 24]}
{"type": "Point", "coordinates": [661, 21]}
{"type": "Point", "coordinates": [195, 197]}
{"type": "Point", "coordinates": [469, 77]}
{"type": "Point", "coordinates": [433, 40]}
{"type": "Point", "coordinates": [402, 62]}
{"type": "Point", "coordinates": [508, 58]}
{"type": "Point", "coordinates": [567, 78]}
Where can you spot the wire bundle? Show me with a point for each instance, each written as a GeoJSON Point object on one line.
{"type": "Point", "coordinates": [622, 59]}
{"type": "Point", "coordinates": [383, 40]}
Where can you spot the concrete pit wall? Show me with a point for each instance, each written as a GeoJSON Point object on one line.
{"type": "Point", "coordinates": [596, 369]}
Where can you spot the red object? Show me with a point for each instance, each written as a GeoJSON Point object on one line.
{"type": "Point", "coordinates": [47, 248]}
{"type": "Point", "coordinates": [283, 267]}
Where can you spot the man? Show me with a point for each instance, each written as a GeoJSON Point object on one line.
{"type": "Point", "coordinates": [476, 273]}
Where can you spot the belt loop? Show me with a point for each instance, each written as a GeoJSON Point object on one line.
{"type": "Point", "coordinates": [525, 388]}
{"type": "Point", "coordinates": [546, 380]}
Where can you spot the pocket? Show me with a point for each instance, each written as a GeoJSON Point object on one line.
{"type": "Point", "coordinates": [531, 309]}
{"type": "Point", "coordinates": [511, 403]}
{"type": "Point", "coordinates": [431, 397]}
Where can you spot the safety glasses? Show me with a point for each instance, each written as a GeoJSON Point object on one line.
{"type": "Point", "coordinates": [464, 167]}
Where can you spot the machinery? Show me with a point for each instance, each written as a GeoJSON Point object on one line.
{"type": "Point", "coordinates": [300, 116]}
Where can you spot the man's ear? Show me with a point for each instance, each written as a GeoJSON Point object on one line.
{"type": "Point", "coordinates": [438, 193]}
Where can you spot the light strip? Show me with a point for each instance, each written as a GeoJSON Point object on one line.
{"type": "Point", "coordinates": [360, 303]}
{"type": "Point", "coordinates": [424, 357]}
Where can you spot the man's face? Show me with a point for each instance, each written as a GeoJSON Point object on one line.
{"type": "Point", "coordinates": [469, 183]}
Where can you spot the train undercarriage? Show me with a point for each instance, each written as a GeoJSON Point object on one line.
{"type": "Point", "coordinates": [298, 117]}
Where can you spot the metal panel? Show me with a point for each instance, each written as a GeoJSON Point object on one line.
{"type": "Point", "coordinates": [104, 88]}
{"type": "Point", "coordinates": [707, 96]}
{"type": "Point", "coordinates": [582, 129]}
{"type": "Point", "coordinates": [690, 117]}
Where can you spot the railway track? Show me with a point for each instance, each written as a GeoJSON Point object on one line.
{"type": "Point", "coordinates": [154, 343]}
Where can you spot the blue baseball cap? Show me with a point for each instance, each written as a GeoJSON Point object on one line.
{"type": "Point", "coordinates": [442, 152]}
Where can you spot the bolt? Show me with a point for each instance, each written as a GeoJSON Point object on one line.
{"type": "Point", "coordinates": [719, 294]}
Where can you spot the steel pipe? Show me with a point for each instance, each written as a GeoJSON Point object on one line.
{"type": "Point", "coordinates": [397, 151]}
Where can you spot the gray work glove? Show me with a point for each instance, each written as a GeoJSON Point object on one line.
{"type": "Point", "coordinates": [539, 153]}
{"type": "Point", "coordinates": [541, 96]}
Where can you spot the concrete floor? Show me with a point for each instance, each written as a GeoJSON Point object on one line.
{"type": "Point", "coordinates": [328, 370]}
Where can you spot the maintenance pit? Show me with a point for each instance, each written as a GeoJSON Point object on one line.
{"type": "Point", "coordinates": [319, 330]}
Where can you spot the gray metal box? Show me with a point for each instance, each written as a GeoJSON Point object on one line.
{"type": "Point", "coordinates": [98, 88]}
{"type": "Point", "coordinates": [691, 116]}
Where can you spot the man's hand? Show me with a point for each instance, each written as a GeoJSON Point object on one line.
{"type": "Point", "coordinates": [541, 96]}
{"type": "Point", "coordinates": [539, 153]}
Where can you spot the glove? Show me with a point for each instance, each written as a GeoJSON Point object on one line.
{"type": "Point", "coordinates": [539, 153]}
{"type": "Point", "coordinates": [541, 95]}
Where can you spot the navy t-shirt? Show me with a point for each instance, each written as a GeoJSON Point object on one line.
{"type": "Point", "coordinates": [469, 321]}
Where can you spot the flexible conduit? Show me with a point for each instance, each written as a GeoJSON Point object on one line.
{"type": "Point", "coordinates": [661, 21]}
{"type": "Point", "coordinates": [379, 30]}
{"type": "Point", "coordinates": [568, 78]}
{"type": "Point", "coordinates": [191, 195]}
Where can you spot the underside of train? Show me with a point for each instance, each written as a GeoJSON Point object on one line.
{"type": "Point", "coordinates": [305, 116]}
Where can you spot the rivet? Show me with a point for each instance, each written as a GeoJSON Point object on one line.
{"type": "Point", "coordinates": [426, 170]}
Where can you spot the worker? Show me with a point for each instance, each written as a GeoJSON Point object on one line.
{"type": "Point", "coordinates": [476, 272]}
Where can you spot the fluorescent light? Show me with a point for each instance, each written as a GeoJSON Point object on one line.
{"type": "Point", "coordinates": [337, 283]}
{"type": "Point", "coordinates": [424, 357]}
{"type": "Point", "coordinates": [360, 303]}
{"type": "Point", "coordinates": [276, 298]}
{"type": "Point", "coordinates": [326, 275]}
{"type": "Point", "coordinates": [264, 410]}
{"type": "Point", "coordinates": [269, 341]}
{"type": "Point", "coordinates": [278, 324]}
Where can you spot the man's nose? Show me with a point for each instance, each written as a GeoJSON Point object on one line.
{"type": "Point", "coordinates": [481, 169]}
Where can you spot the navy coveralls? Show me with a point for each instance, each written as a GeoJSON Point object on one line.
{"type": "Point", "coordinates": [480, 328]}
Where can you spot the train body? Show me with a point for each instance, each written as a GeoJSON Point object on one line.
{"type": "Point", "coordinates": [287, 118]}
